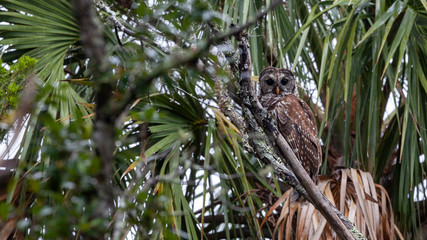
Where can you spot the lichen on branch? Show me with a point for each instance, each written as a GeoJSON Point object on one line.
{"type": "Point", "coordinates": [270, 147]}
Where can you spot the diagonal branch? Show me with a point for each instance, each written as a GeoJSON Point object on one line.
{"type": "Point", "coordinates": [185, 57]}
{"type": "Point", "coordinates": [258, 118]}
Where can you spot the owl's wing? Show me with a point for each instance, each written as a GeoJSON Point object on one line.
{"type": "Point", "coordinates": [312, 136]}
{"type": "Point", "coordinates": [296, 124]}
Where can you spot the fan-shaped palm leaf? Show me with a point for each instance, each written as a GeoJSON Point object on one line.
{"type": "Point", "coordinates": [45, 30]}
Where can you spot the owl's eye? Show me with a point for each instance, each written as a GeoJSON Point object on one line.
{"type": "Point", "coordinates": [284, 81]}
{"type": "Point", "coordinates": [269, 81]}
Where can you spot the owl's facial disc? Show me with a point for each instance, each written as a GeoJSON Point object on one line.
{"type": "Point", "coordinates": [277, 81]}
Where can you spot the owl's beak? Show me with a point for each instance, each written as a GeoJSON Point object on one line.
{"type": "Point", "coordinates": [277, 90]}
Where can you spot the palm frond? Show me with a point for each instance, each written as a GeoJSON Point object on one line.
{"type": "Point", "coordinates": [354, 192]}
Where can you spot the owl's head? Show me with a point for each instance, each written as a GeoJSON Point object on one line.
{"type": "Point", "coordinates": [278, 81]}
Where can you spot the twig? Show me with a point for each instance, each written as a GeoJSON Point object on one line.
{"type": "Point", "coordinates": [191, 55]}
{"type": "Point", "coordinates": [116, 32]}
{"type": "Point", "coordinates": [112, 17]}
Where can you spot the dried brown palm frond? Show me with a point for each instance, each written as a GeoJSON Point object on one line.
{"type": "Point", "coordinates": [355, 194]}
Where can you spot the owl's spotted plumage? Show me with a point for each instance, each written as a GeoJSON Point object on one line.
{"type": "Point", "coordinates": [295, 120]}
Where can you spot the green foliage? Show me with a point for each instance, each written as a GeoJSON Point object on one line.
{"type": "Point", "coordinates": [64, 187]}
{"type": "Point", "coordinates": [12, 82]}
{"type": "Point", "coordinates": [351, 58]}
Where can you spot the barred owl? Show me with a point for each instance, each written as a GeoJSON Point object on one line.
{"type": "Point", "coordinates": [295, 120]}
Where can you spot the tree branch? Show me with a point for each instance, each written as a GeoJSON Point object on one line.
{"type": "Point", "coordinates": [185, 57]}
{"type": "Point", "coordinates": [103, 134]}
{"type": "Point", "coordinates": [255, 116]}
{"type": "Point", "coordinates": [342, 226]}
